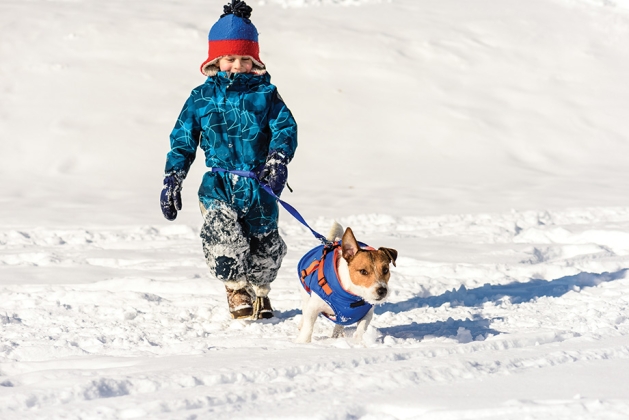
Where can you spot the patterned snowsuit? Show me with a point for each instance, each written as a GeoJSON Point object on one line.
{"type": "Point", "coordinates": [237, 120]}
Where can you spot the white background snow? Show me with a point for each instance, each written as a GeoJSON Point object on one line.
{"type": "Point", "coordinates": [485, 140]}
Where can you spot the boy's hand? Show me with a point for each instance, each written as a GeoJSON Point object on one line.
{"type": "Point", "coordinates": [170, 198]}
{"type": "Point", "coordinates": [274, 173]}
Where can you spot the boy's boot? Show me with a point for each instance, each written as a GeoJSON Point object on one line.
{"type": "Point", "coordinates": [239, 299]}
{"type": "Point", "coordinates": [262, 305]}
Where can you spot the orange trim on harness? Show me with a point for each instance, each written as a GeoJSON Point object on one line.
{"type": "Point", "coordinates": [323, 282]}
{"type": "Point", "coordinates": [318, 265]}
{"type": "Point", "coordinates": [308, 271]}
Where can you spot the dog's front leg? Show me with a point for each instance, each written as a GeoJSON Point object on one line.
{"type": "Point", "coordinates": [310, 311]}
{"type": "Point", "coordinates": [305, 298]}
{"type": "Point", "coordinates": [362, 325]}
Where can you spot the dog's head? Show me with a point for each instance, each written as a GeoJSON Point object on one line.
{"type": "Point", "coordinates": [368, 269]}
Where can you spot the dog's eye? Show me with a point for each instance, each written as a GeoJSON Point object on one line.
{"type": "Point", "coordinates": [363, 272]}
{"type": "Point", "coordinates": [385, 270]}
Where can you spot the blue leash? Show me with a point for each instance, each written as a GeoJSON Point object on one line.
{"type": "Point", "coordinates": [288, 207]}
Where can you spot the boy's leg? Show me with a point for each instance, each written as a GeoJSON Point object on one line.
{"type": "Point", "coordinates": [267, 249]}
{"type": "Point", "coordinates": [267, 253]}
{"type": "Point", "coordinates": [227, 253]}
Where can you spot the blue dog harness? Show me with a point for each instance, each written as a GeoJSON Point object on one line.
{"type": "Point", "coordinates": [318, 274]}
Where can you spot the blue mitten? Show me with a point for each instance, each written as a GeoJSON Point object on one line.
{"type": "Point", "coordinates": [170, 198]}
{"type": "Point", "coordinates": [275, 173]}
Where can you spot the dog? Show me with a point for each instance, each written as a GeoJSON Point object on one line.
{"type": "Point", "coordinates": [361, 279]}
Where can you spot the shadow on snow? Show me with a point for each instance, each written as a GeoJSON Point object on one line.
{"type": "Point", "coordinates": [282, 315]}
{"type": "Point", "coordinates": [513, 292]}
{"type": "Point", "coordinates": [478, 326]}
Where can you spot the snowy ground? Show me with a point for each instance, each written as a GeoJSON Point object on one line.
{"type": "Point", "coordinates": [485, 140]}
{"type": "Point", "coordinates": [493, 316]}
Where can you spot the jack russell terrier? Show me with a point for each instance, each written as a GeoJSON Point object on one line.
{"type": "Point", "coordinates": [343, 281]}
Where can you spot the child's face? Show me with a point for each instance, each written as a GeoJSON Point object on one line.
{"type": "Point", "coordinates": [236, 63]}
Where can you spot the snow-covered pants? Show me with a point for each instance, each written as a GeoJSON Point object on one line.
{"type": "Point", "coordinates": [236, 251]}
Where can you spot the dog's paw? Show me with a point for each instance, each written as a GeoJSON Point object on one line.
{"type": "Point", "coordinates": [302, 340]}
{"type": "Point", "coordinates": [339, 331]}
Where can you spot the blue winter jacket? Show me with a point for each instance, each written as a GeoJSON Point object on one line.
{"type": "Point", "coordinates": [237, 120]}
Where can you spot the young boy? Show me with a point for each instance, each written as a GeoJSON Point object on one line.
{"type": "Point", "coordinates": [240, 121]}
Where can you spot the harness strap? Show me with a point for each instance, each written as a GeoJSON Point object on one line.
{"type": "Point", "coordinates": [307, 271]}
{"type": "Point", "coordinates": [323, 282]}
{"type": "Point", "coordinates": [288, 207]}
{"type": "Point", "coordinates": [319, 266]}
{"type": "Point", "coordinates": [357, 304]}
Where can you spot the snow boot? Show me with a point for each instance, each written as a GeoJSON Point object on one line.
{"type": "Point", "coordinates": [238, 299]}
{"type": "Point", "coordinates": [262, 305]}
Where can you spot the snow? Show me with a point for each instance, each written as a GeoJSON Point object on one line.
{"type": "Point", "coordinates": [485, 141]}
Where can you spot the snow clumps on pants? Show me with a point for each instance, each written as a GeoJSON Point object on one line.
{"type": "Point", "coordinates": [233, 254]}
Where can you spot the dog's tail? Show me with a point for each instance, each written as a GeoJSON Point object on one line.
{"type": "Point", "coordinates": [335, 233]}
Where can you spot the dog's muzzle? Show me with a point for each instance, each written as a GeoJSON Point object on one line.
{"type": "Point", "coordinates": [382, 292]}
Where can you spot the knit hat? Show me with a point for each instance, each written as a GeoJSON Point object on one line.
{"type": "Point", "coordinates": [233, 34]}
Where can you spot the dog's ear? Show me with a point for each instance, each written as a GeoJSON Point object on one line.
{"type": "Point", "coordinates": [350, 245]}
{"type": "Point", "coordinates": [391, 253]}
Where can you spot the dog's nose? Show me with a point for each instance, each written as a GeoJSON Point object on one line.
{"type": "Point", "coordinates": [381, 291]}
